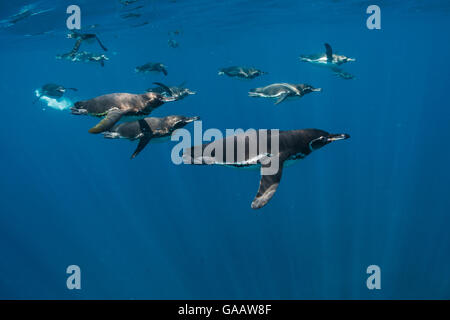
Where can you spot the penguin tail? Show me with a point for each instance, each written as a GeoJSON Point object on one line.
{"type": "Point", "coordinates": [254, 92]}
{"type": "Point", "coordinates": [304, 58]}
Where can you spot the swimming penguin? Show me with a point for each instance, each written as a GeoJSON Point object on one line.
{"type": "Point", "coordinates": [173, 43]}
{"type": "Point", "coordinates": [127, 2]}
{"type": "Point", "coordinates": [327, 59]}
{"type": "Point", "coordinates": [83, 56]}
{"type": "Point", "coordinates": [283, 91]}
{"type": "Point", "coordinates": [154, 129]}
{"type": "Point", "coordinates": [292, 145]}
{"type": "Point", "coordinates": [152, 67]}
{"type": "Point", "coordinates": [342, 74]}
{"type": "Point", "coordinates": [80, 37]}
{"type": "Point", "coordinates": [241, 72]}
{"type": "Point", "coordinates": [52, 90]}
{"type": "Point", "coordinates": [141, 24]}
{"type": "Point", "coordinates": [177, 93]}
{"type": "Point", "coordinates": [25, 12]}
{"type": "Point", "coordinates": [130, 15]}
{"type": "Point", "coordinates": [115, 105]}
{"type": "Point", "coordinates": [174, 33]}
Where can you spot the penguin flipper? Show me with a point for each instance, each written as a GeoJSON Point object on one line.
{"type": "Point", "coordinates": [268, 185]}
{"type": "Point", "coordinates": [166, 88]}
{"type": "Point", "coordinates": [281, 98]}
{"type": "Point", "coordinates": [142, 144]}
{"type": "Point", "coordinates": [243, 74]}
{"type": "Point", "coordinates": [76, 47]}
{"type": "Point", "coordinates": [329, 52]}
{"type": "Point", "coordinates": [100, 43]}
{"type": "Point", "coordinates": [109, 121]}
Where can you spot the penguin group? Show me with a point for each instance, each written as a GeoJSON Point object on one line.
{"type": "Point", "coordinates": [293, 145]}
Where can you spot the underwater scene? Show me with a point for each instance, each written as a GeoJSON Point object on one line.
{"type": "Point", "coordinates": [169, 149]}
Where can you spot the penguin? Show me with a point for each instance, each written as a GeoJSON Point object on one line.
{"type": "Point", "coordinates": [268, 150]}
{"type": "Point", "coordinates": [152, 67]}
{"type": "Point", "coordinates": [127, 2]}
{"type": "Point", "coordinates": [328, 58]}
{"type": "Point", "coordinates": [173, 43]}
{"type": "Point", "coordinates": [283, 91]}
{"type": "Point", "coordinates": [83, 56]}
{"type": "Point", "coordinates": [177, 93]}
{"type": "Point", "coordinates": [80, 37]}
{"type": "Point", "coordinates": [148, 129]}
{"type": "Point", "coordinates": [241, 72]}
{"type": "Point", "coordinates": [338, 72]}
{"type": "Point", "coordinates": [138, 25]}
{"type": "Point", "coordinates": [52, 90]}
{"type": "Point", "coordinates": [130, 15]}
{"type": "Point", "coordinates": [174, 33]}
{"type": "Point", "coordinates": [25, 12]}
{"type": "Point", "coordinates": [116, 105]}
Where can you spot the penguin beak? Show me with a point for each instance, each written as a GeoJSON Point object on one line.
{"type": "Point", "coordinates": [316, 89]}
{"type": "Point", "coordinates": [339, 136]}
{"type": "Point", "coordinates": [184, 121]}
{"type": "Point", "coordinates": [192, 119]}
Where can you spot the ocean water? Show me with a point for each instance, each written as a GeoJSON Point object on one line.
{"type": "Point", "coordinates": [149, 229]}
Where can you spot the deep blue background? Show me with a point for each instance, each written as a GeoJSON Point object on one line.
{"type": "Point", "coordinates": [147, 228]}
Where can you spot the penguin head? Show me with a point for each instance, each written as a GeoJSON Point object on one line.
{"type": "Point", "coordinates": [188, 91]}
{"type": "Point", "coordinates": [177, 122]}
{"type": "Point", "coordinates": [253, 73]}
{"type": "Point", "coordinates": [320, 138]}
{"type": "Point", "coordinates": [307, 88]}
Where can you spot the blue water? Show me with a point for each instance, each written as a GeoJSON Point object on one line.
{"type": "Point", "coordinates": [149, 229]}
